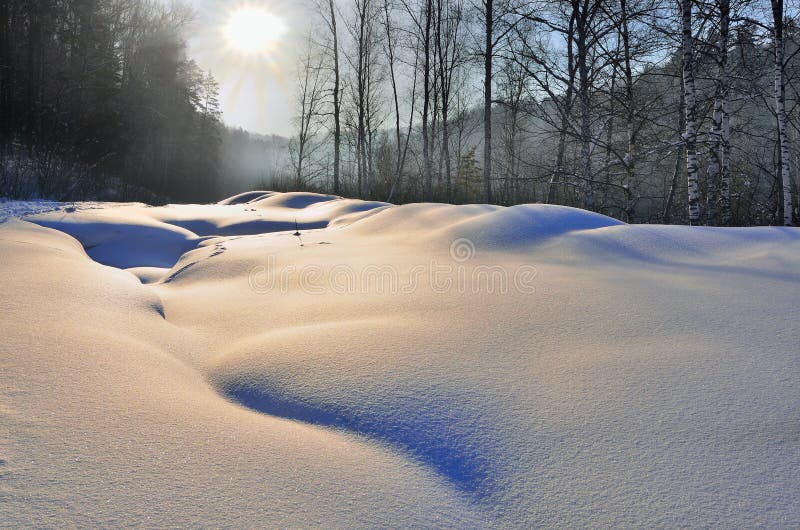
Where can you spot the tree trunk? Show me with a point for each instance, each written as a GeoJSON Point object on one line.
{"type": "Point", "coordinates": [566, 110]}
{"type": "Point", "coordinates": [725, 188]}
{"type": "Point", "coordinates": [5, 75]}
{"type": "Point", "coordinates": [630, 112]}
{"type": "Point", "coordinates": [558, 171]}
{"type": "Point", "coordinates": [361, 74]}
{"type": "Point", "coordinates": [780, 111]}
{"type": "Point", "coordinates": [446, 153]}
{"type": "Point", "coordinates": [444, 29]}
{"type": "Point", "coordinates": [337, 125]}
{"type": "Point", "coordinates": [690, 109]}
{"type": "Point", "coordinates": [715, 135]}
{"type": "Point", "coordinates": [725, 177]}
{"type": "Point", "coordinates": [402, 153]}
{"type": "Point", "coordinates": [487, 105]}
{"type": "Point", "coordinates": [392, 78]}
{"type": "Point", "coordinates": [583, 96]}
{"type": "Point", "coordinates": [426, 103]}
{"type": "Point", "coordinates": [33, 89]}
{"type": "Point", "coordinates": [667, 215]}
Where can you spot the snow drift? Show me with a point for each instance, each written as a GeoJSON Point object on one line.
{"type": "Point", "coordinates": [418, 365]}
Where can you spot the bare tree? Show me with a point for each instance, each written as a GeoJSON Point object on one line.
{"type": "Point", "coordinates": [427, 52]}
{"type": "Point", "coordinates": [488, 10]}
{"type": "Point", "coordinates": [421, 16]}
{"type": "Point", "coordinates": [337, 107]}
{"type": "Point", "coordinates": [365, 68]}
{"type": "Point", "coordinates": [449, 50]}
{"type": "Point", "coordinates": [629, 101]}
{"type": "Point", "coordinates": [587, 36]}
{"type": "Point", "coordinates": [311, 87]}
{"type": "Point", "coordinates": [512, 90]}
{"type": "Point", "coordinates": [401, 145]}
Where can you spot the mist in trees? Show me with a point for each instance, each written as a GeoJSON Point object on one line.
{"type": "Point", "coordinates": [98, 99]}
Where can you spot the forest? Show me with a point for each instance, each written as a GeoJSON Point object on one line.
{"type": "Point", "coordinates": [650, 111]}
{"type": "Point", "coordinates": [98, 100]}
{"type": "Point", "coordinates": [644, 110]}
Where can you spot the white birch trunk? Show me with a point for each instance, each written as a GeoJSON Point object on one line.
{"type": "Point", "coordinates": [690, 107]}
{"type": "Point", "coordinates": [780, 111]}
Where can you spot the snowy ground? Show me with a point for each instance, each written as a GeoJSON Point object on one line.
{"type": "Point", "coordinates": [420, 365]}
{"type": "Point", "coordinates": [10, 209]}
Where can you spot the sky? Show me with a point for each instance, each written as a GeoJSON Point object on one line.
{"type": "Point", "coordinates": [256, 87]}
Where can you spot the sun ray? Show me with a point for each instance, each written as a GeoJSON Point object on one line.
{"type": "Point", "coordinates": [254, 30]}
{"type": "Point", "coordinates": [248, 45]}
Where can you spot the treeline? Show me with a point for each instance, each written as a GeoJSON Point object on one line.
{"type": "Point", "coordinates": [645, 110]}
{"type": "Point", "coordinates": [98, 100]}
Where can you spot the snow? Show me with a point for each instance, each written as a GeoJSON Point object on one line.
{"type": "Point", "coordinates": [297, 200]}
{"type": "Point", "coordinates": [418, 365]}
{"type": "Point", "coordinates": [122, 237]}
{"type": "Point", "coordinates": [11, 209]}
{"type": "Point", "coordinates": [246, 197]}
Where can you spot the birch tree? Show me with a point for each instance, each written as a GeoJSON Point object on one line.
{"type": "Point", "coordinates": [716, 136]}
{"type": "Point", "coordinates": [780, 110]}
{"type": "Point", "coordinates": [690, 109]}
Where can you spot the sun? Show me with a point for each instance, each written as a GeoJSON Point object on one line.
{"type": "Point", "coordinates": [253, 30]}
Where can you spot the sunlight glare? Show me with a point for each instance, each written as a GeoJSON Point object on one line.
{"type": "Point", "coordinates": [254, 30]}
